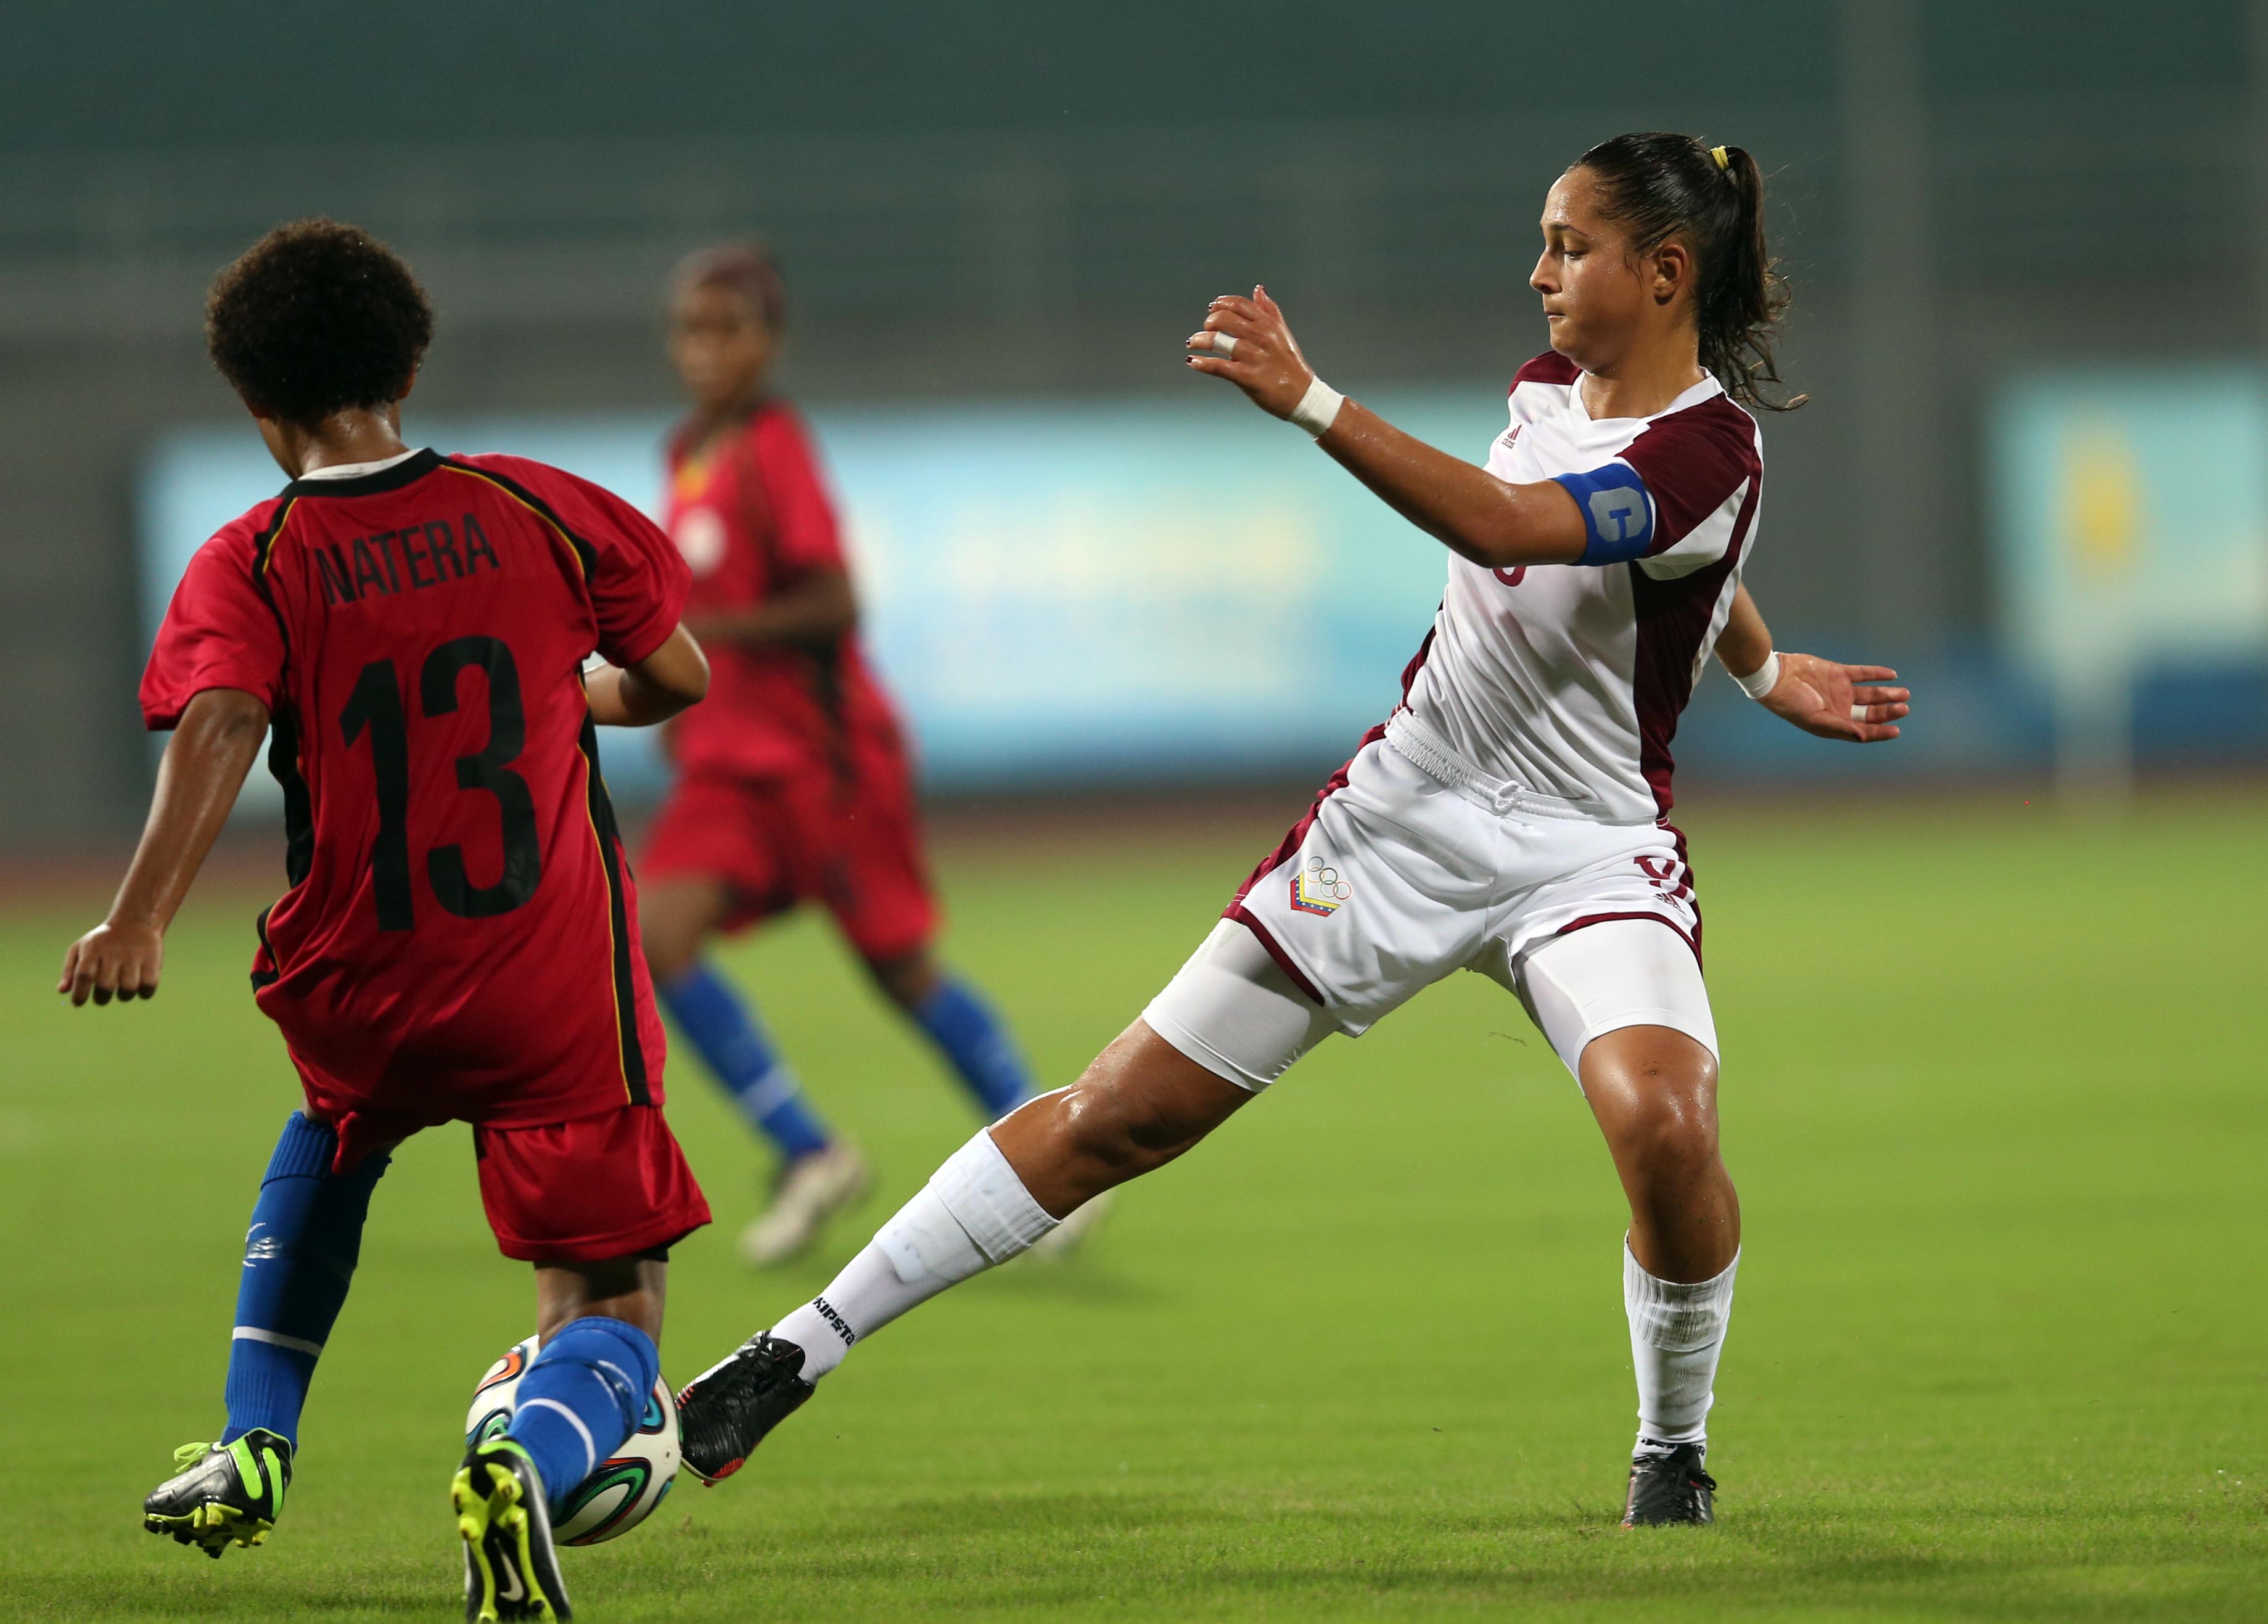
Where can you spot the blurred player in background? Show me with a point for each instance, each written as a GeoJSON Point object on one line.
{"type": "Point", "coordinates": [459, 939]}
{"type": "Point", "coordinates": [1511, 817]}
{"type": "Point", "coordinates": [794, 784]}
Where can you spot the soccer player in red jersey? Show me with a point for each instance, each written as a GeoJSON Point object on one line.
{"type": "Point", "coordinates": [458, 941]}
{"type": "Point", "coordinates": [793, 779]}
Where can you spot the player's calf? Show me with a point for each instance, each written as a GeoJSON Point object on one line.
{"type": "Point", "coordinates": [1139, 1103]}
{"type": "Point", "coordinates": [582, 1395]}
{"type": "Point", "coordinates": [222, 1494]}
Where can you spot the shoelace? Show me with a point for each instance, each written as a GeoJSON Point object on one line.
{"type": "Point", "coordinates": [188, 1455]}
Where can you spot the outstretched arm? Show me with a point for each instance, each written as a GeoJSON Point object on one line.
{"type": "Point", "coordinates": [1818, 695]}
{"type": "Point", "coordinates": [203, 768]}
{"type": "Point", "coordinates": [1476, 515]}
{"type": "Point", "coordinates": [672, 678]}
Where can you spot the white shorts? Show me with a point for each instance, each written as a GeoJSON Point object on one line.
{"type": "Point", "coordinates": [1396, 877]}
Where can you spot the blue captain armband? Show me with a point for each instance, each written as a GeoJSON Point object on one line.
{"type": "Point", "coordinates": [1617, 512]}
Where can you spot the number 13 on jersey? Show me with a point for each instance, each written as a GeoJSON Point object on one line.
{"type": "Point", "coordinates": [377, 708]}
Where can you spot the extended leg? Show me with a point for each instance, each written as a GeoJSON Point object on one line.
{"type": "Point", "coordinates": [1163, 1086]}
{"type": "Point", "coordinates": [1141, 1104]}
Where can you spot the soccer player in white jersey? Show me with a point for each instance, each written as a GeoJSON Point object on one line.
{"type": "Point", "coordinates": [1510, 817]}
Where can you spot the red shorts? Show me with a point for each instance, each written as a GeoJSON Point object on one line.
{"type": "Point", "coordinates": [582, 1192]}
{"type": "Point", "coordinates": [851, 843]}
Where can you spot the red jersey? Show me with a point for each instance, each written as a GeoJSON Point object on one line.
{"type": "Point", "coordinates": [752, 515]}
{"type": "Point", "coordinates": [459, 939]}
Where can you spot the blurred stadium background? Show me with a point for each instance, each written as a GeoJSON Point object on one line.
{"type": "Point", "coordinates": [1994, 1107]}
{"type": "Point", "coordinates": [2013, 246]}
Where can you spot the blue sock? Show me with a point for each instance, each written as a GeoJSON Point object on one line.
{"type": "Point", "coordinates": [583, 1394]}
{"type": "Point", "coordinates": [973, 1038]}
{"type": "Point", "coordinates": [722, 1027]}
{"type": "Point", "coordinates": [299, 1258]}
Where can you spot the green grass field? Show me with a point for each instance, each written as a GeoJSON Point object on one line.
{"type": "Point", "coordinates": [1994, 1092]}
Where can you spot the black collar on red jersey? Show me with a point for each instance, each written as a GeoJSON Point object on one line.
{"type": "Point", "coordinates": [411, 468]}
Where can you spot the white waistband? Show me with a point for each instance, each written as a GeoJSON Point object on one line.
{"type": "Point", "coordinates": [1424, 750]}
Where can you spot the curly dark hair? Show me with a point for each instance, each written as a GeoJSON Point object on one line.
{"type": "Point", "coordinates": [315, 318]}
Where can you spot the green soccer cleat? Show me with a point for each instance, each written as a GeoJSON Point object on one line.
{"type": "Point", "coordinates": [510, 1570]}
{"type": "Point", "coordinates": [222, 1494]}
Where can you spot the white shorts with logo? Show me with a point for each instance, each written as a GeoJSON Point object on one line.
{"type": "Point", "coordinates": [1401, 874]}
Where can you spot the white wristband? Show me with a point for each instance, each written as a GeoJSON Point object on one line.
{"type": "Point", "coordinates": [1318, 408]}
{"type": "Point", "coordinates": [1762, 681]}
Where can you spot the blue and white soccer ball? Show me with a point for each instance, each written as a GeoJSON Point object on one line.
{"type": "Point", "coordinates": [627, 1485]}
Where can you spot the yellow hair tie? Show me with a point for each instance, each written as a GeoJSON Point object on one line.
{"type": "Point", "coordinates": [1723, 162]}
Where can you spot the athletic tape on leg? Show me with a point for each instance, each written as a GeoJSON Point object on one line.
{"type": "Point", "coordinates": [1677, 1334]}
{"type": "Point", "coordinates": [988, 1200]}
{"type": "Point", "coordinates": [1672, 1317]}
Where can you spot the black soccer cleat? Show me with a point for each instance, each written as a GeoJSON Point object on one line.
{"type": "Point", "coordinates": [724, 1412]}
{"type": "Point", "coordinates": [510, 1570]}
{"type": "Point", "coordinates": [222, 1494]}
{"type": "Point", "coordinates": [1669, 1487]}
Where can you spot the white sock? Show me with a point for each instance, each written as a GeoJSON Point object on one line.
{"type": "Point", "coordinates": [973, 1213]}
{"type": "Point", "coordinates": [1676, 1333]}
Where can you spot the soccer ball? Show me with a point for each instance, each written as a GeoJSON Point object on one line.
{"type": "Point", "coordinates": [627, 1485]}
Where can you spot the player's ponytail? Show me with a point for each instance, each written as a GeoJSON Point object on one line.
{"type": "Point", "coordinates": [1657, 185]}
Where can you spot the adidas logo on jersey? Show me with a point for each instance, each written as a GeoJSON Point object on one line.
{"type": "Point", "coordinates": [1318, 890]}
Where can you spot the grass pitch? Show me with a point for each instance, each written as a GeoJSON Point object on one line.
{"type": "Point", "coordinates": [1993, 1093]}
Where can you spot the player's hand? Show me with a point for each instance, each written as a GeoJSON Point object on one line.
{"type": "Point", "coordinates": [1265, 361]}
{"type": "Point", "coordinates": [1836, 700]}
{"type": "Point", "coordinates": [114, 961]}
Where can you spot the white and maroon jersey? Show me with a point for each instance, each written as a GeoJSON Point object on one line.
{"type": "Point", "coordinates": [1567, 679]}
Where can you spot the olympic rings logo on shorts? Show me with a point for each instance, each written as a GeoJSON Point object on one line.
{"type": "Point", "coordinates": [1319, 890]}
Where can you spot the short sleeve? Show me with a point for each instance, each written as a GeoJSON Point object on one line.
{"type": "Point", "coordinates": [806, 537]}
{"type": "Point", "coordinates": [639, 582]}
{"type": "Point", "coordinates": [636, 577]}
{"type": "Point", "coordinates": [218, 633]}
{"type": "Point", "coordinates": [1702, 472]}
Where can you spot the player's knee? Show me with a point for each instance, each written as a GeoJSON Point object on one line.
{"type": "Point", "coordinates": [906, 980]}
{"type": "Point", "coordinates": [1676, 1131]}
{"type": "Point", "coordinates": [1660, 1108]}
